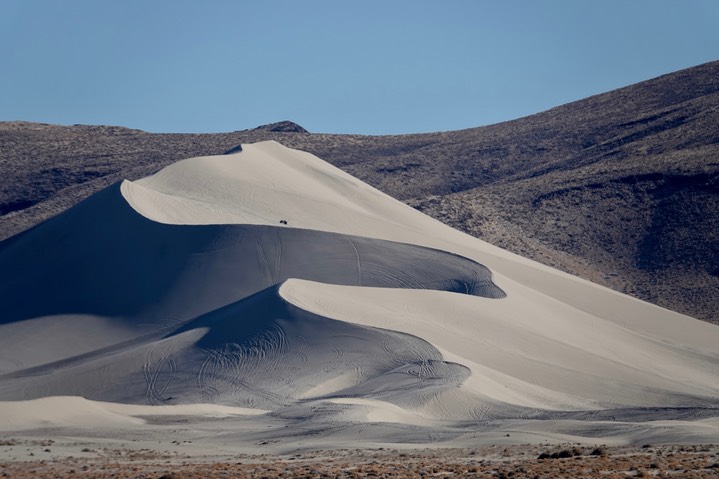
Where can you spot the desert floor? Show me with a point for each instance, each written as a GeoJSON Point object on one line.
{"type": "Point", "coordinates": [47, 458]}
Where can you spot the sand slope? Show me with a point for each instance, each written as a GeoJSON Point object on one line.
{"type": "Point", "coordinates": [270, 280]}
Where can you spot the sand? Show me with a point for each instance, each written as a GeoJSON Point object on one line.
{"type": "Point", "coordinates": [266, 300]}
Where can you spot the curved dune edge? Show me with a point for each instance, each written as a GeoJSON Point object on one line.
{"type": "Point", "coordinates": [104, 259]}
{"type": "Point", "coordinates": [541, 359]}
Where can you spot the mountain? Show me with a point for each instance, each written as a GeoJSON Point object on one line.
{"type": "Point", "coordinates": [619, 188]}
{"type": "Point", "coordinates": [268, 279]}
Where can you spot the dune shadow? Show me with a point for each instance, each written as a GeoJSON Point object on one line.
{"type": "Point", "coordinates": [103, 258]}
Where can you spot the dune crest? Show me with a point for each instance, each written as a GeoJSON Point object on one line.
{"type": "Point", "coordinates": [263, 184]}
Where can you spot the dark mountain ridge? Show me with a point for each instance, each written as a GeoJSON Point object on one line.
{"type": "Point", "coordinates": [620, 188]}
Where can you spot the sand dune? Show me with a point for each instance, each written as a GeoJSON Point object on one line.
{"type": "Point", "coordinates": [272, 281]}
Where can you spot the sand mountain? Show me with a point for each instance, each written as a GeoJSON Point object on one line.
{"type": "Point", "coordinates": [619, 188]}
{"type": "Point", "coordinates": [270, 280]}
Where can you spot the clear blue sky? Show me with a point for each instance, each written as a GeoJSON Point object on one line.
{"type": "Point", "coordinates": [371, 67]}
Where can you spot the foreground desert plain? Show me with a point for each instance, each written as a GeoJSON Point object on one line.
{"type": "Point", "coordinates": [265, 302]}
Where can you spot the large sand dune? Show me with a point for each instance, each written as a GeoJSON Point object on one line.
{"type": "Point", "coordinates": [270, 280]}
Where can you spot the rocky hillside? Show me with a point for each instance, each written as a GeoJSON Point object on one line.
{"type": "Point", "coordinates": [620, 188]}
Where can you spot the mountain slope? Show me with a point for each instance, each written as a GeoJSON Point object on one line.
{"type": "Point", "coordinates": [634, 208]}
{"type": "Point", "coordinates": [619, 188]}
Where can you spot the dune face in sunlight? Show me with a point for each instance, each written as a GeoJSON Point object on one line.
{"type": "Point", "coordinates": [270, 280]}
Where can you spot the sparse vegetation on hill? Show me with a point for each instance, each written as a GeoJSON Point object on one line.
{"type": "Point", "coordinates": [620, 188]}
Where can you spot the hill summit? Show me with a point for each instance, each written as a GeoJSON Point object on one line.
{"type": "Point", "coordinates": [282, 127]}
